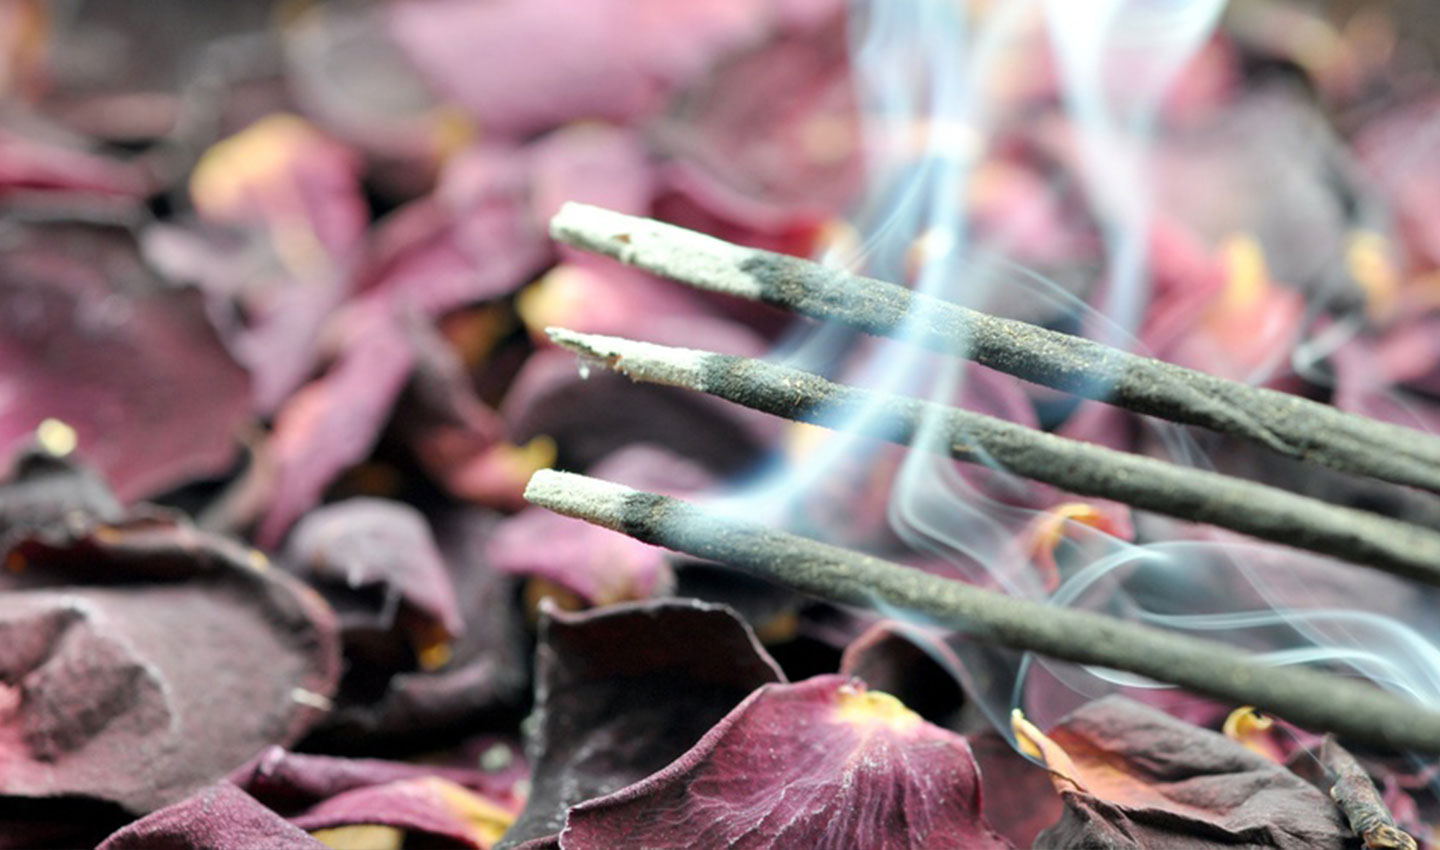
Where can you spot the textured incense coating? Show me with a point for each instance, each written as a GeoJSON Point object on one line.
{"type": "Point", "coordinates": [1311, 699]}
{"type": "Point", "coordinates": [1288, 424]}
{"type": "Point", "coordinates": [1190, 494]}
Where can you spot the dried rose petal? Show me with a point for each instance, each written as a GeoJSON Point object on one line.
{"type": "Point", "coordinates": [604, 298]}
{"type": "Point", "coordinates": [379, 557]}
{"type": "Point", "coordinates": [126, 663]}
{"type": "Point", "coordinates": [285, 177]}
{"type": "Point", "coordinates": [291, 783]}
{"type": "Point", "coordinates": [601, 569]}
{"type": "Point", "coordinates": [32, 165]}
{"type": "Point", "coordinates": [1020, 800]}
{"type": "Point", "coordinates": [624, 690]}
{"type": "Point", "coordinates": [593, 164]}
{"type": "Point", "coordinates": [343, 69]}
{"type": "Point", "coordinates": [1149, 780]}
{"type": "Point", "coordinates": [772, 610]}
{"type": "Point", "coordinates": [270, 318]}
{"type": "Point", "coordinates": [815, 764]}
{"type": "Point", "coordinates": [497, 476]}
{"type": "Point", "coordinates": [610, 59]}
{"type": "Point", "coordinates": [691, 199]}
{"type": "Point", "coordinates": [457, 438]}
{"type": "Point", "coordinates": [294, 196]}
{"type": "Point", "coordinates": [141, 58]}
{"type": "Point", "coordinates": [775, 129]}
{"type": "Point", "coordinates": [1409, 353]}
{"type": "Point", "coordinates": [476, 237]}
{"type": "Point", "coordinates": [1018, 211]}
{"type": "Point", "coordinates": [429, 805]}
{"type": "Point", "coordinates": [216, 816]}
{"type": "Point", "coordinates": [1399, 155]}
{"type": "Point", "coordinates": [1247, 327]}
{"type": "Point", "coordinates": [334, 421]}
{"type": "Point", "coordinates": [486, 677]}
{"type": "Point", "coordinates": [89, 336]}
{"type": "Point", "coordinates": [888, 659]}
{"type": "Point", "coordinates": [1375, 377]}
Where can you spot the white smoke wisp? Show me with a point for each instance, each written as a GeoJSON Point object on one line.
{"type": "Point", "coordinates": [946, 89]}
{"type": "Point", "coordinates": [1116, 59]}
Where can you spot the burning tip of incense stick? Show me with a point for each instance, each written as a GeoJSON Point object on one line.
{"type": "Point", "coordinates": [608, 348]}
{"type": "Point", "coordinates": [642, 361]}
{"type": "Point", "coordinates": [654, 246]}
{"type": "Point", "coordinates": [578, 496]}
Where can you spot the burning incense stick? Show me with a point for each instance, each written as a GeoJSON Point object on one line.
{"type": "Point", "coordinates": [1190, 494]}
{"type": "Point", "coordinates": [1288, 424]}
{"type": "Point", "coordinates": [1305, 697]}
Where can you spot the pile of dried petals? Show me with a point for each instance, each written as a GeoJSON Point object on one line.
{"type": "Point", "coordinates": [273, 285]}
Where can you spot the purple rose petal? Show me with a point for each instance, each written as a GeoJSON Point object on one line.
{"type": "Point", "coordinates": [622, 691]}
{"type": "Point", "coordinates": [821, 763]}
{"type": "Point", "coordinates": [89, 336]}
{"type": "Point", "coordinates": [216, 817]}
{"type": "Point", "coordinates": [112, 645]}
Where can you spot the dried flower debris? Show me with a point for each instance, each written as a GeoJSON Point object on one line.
{"type": "Point", "coordinates": [275, 280]}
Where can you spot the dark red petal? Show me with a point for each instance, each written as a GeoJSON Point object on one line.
{"type": "Point", "coordinates": [448, 429]}
{"type": "Point", "coordinates": [292, 782]}
{"type": "Point", "coordinates": [1020, 799]}
{"type": "Point", "coordinates": [89, 336]}
{"type": "Point", "coordinates": [28, 164]}
{"type": "Point", "coordinates": [888, 659]}
{"type": "Point", "coordinates": [475, 238]}
{"type": "Point", "coordinates": [286, 179]}
{"type": "Point", "coordinates": [217, 817]}
{"type": "Point", "coordinates": [375, 543]}
{"type": "Point", "coordinates": [622, 691]}
{"type": "Point", "coordinates": [1400, 157]}
{"type": "Point", "coordinates": [775, 136]}
{"type": "Point", "coordinates": [591, 164]}
{"type": "Point", "coordinates": [334, 421]}
{"type": "Point", "coordinates": [613, 59]}
{"type": "Point", "coordinates": [111, 647]}
{"type": "Point", "coordinates": [1154, 781]}
{"type": "Point", "coordinates": [488, 672]}
{"type": "Point", "coordinates": [430, 805]}
{"type": "Point", "coordinates": [823, 763]}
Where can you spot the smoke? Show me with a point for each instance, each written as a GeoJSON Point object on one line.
{"type": "Point", "coordinates": [1012, 159]}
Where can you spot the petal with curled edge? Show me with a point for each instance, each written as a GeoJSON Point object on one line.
{"type": "Point", "coordinates": [822, 763]}
{"type": "Point", "coordinates": [1146, 779]}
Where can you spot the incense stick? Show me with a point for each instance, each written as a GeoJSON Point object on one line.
{"type": "Point", "coordinates": [1190, 494]}
{"type": "Point", "coordinates": [1288, 424]}
{"type": "Point", "coordinates": [1306, 697]}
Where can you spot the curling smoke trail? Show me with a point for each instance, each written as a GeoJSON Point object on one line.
{"type": "Point", "coordinates": [1116, 60]}
{"type": "Point", "coordinates": [930, 75]}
